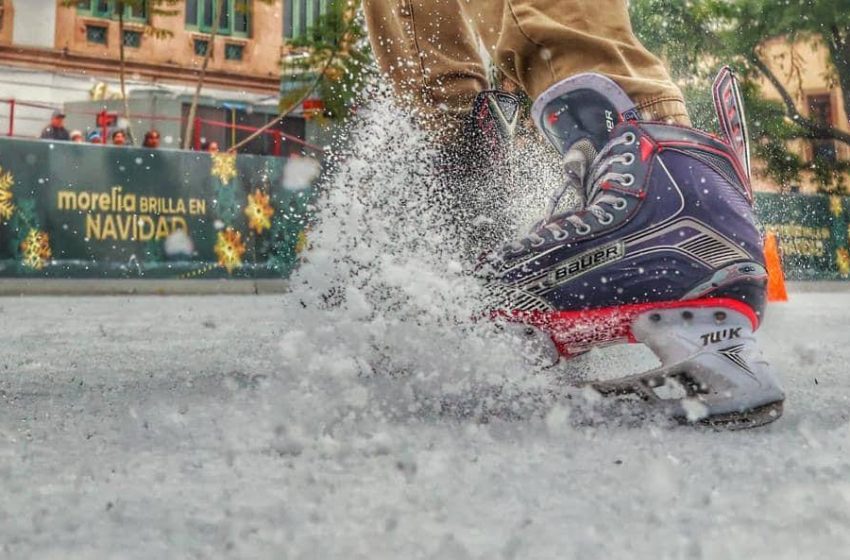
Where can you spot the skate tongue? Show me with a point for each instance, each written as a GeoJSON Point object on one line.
{"type": "Point", "coordinates": [584, 107]}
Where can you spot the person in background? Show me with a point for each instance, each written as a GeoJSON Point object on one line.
{"type": "Point", "coordinates": [119, 138]}
{"type": "Point", "coordinates": [151, 139]}
{"type": "Point", "coordinates": [56, 130]}
{"type": "Point", "coordinates": [77, 136]}
{"type": "Point", "coordinates": [94, 137]}
{"type": "Point", "coordinates": [211, 147]}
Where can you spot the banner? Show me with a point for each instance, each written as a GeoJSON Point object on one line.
{"type": "Point", "coordinates": [812, 231]}
{"type": "Point", "coordinates": [77, 210]}
{"type": "Point", "coordinates": [89, 211]}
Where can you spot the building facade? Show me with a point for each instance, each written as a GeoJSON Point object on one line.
{"type": "Point", "coordinates": [59, 56]}
{"type": "Point", "coordinates": [803, 68]}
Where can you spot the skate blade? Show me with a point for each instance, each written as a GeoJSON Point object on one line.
{"type": "Point", "coordinates": [744, 420]}
{"type": "Point", "coordinates": [620, 410]}
{"type": "Point", "coordinates": [642, 386]}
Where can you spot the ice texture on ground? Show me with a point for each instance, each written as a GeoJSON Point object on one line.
{"type": "Point", "coordinates": [145, 427]}
{"type": "Point", "coordinates": [312, 425]}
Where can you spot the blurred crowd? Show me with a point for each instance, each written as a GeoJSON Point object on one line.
{"type": "Point", "coordinates": [56, 131]}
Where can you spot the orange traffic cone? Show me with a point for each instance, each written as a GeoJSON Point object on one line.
{"type": "Point", "coordinates": [775, 276]}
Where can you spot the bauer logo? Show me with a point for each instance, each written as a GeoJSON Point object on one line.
{"type": "Point", "coordinates": [609, 120]}
{"type": "Point", "coordinates": [586, 262]}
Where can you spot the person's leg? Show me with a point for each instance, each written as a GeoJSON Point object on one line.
{"type": "Point", "coordinates": [538, 43]}
{"type": "Point", "coordinates": [429, 52]}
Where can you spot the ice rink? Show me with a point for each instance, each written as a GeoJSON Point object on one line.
{"type": "Point", "coordinates": [181, 427]}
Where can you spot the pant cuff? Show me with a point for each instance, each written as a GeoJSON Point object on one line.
{"type": "Point", "coordinates": [670, 110]}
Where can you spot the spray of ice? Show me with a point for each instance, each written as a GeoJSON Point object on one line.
{"type": "Point", "coordinates": [381, 315]}
{"type": "Point", "coordinates": [381, 310]}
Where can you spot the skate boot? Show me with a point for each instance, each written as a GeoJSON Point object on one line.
{"type": "Point", "coordinates": [474, 169]}
{"type": "Point", "coordinates": [663, 250]}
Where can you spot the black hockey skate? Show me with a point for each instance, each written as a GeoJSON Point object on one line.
{"type": "Point", "coordinates": [663, 251]}
{"type": "Point", "coordinates": [475, 171]}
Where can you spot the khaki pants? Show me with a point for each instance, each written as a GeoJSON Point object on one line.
{"type": "Point", "coordinates": [430, 49]}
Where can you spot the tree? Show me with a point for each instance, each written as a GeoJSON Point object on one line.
{"type": "Point", "coordinates": [698, 35]}
{"type": "Point", "coordinates": [218, 9]}
{"type": "Point", "coordinates": [336, 54]}
{"type": "Point", "coordinates": [161, 8]}
{"type": "Point", "coordinates": [332, 58]}
{"type": "Point", "coordinates": [331, 30]}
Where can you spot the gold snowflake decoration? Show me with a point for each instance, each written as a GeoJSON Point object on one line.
{"type": "Point", "coordinates": [842, 259]}
{"type": "Point", "coordinates": [224, 167]}
{"type": "Point", "coordinates": [36, 249]}
{"type": "Point", "coordinates": [7, 181]}
{"type": "Point", "coordinates": [259, 212]}
{"type": "Point", "coordinates": [229, 249]}
{"type": "Point", "coordinates": [835, 206]}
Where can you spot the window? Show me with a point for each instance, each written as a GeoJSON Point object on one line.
{"type": "Point", "coordinates": [820, 111]}
{"type": "Point", "coordinates": [201, 47]}
{"type": "Point", "coordinates": [136, 11]}
{"type": "Point", "coordinates": [234, 51]}
{"type": "Point", "coordinates": [301, 15]}
{"type": "Point", "coordinates": [132, 38]}
{"type": "Point", "coordinates": [235, 19]}
{"type": "Point", "coordinates": [96, 34]}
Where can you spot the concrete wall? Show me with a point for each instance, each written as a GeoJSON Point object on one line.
{"type": "Point", "coordinates": [34, 22]}
{"type": "Point", "coordinates": [34, 86]}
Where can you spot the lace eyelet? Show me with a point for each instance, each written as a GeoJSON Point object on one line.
{"type": "Point", "coordinates": [620, 204]}
{"type": "Point", "coordinates": [629, 138]}
{"type": "Point", "coordinates": [606, 219]}
{"type": "Point", "coordinates": [560, 235]}
{"type": "Point", "coordinates": [628, 180]}
{"type": "Point", "coordinates": [630, 159]}
{"type": "Point", "coordinates": [537, 242]}
{"type": "Point", "coordinates": [583, 230]}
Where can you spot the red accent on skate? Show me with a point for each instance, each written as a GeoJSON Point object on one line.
{"type": "Point", "coordinates": [646, 148]}
{"type": "Point", "coordinates": [574, 332]}
{"type": "Point", "coordinates": [552, 118]}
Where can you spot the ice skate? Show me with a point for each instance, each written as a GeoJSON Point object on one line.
{"type": "Point", "coordinates": [474, 170]}
{"type": "Point", "coordinates": [663, 250]}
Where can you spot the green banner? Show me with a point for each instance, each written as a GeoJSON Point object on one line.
{"type": "Point", "coordinates": [812, 232]}
{"type": "Point", "coordinates": [76, 210]}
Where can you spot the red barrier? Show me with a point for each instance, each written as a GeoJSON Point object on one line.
{"type": "Point", "coordinates": [102, 120]}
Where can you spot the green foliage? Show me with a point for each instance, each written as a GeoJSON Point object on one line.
{"type": "Point", "coordinates": [677, 31]}
{"type": "Point", "coordinates": [333, 59]}
{"type": "Point", "coordinates": [695, 37]}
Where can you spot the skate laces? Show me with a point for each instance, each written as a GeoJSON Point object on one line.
{"type": "Point", "coordinates": [587, 184]}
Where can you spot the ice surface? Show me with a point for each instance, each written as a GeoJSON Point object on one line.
{"type": "Point", "coordinates": [151, 427]}
{"type": "Point", "coordinates": [311, 425]}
